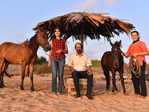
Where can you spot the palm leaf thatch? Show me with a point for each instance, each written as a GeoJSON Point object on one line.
{"type": "Point", "coordinates": [93, 25]}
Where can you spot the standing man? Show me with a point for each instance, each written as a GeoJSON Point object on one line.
{"type": "Point", "coordinates": [138, 49]}
{"type": "Point", "coordinates": [80, 65]}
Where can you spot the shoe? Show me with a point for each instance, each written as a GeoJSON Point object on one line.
{"type": "Point", "coordinates": [77, 96]}
{"type": "Point", "coordinates": [90, 97]}
{"type": "Point", "coordinates": [54, 94]}
{"type": "Point", "coordinates": [60, 93]}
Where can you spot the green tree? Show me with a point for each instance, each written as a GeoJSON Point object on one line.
{"type": "Point", "coordinates": [41, 60]}
{"type": "Point", "coordinates": [96, 63]}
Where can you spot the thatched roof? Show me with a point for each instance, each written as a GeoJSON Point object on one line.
{"type": "Point", "coordinates": [93, 25]}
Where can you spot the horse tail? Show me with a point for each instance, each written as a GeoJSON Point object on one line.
{"type": "Point", "coordinates": [2, 65]}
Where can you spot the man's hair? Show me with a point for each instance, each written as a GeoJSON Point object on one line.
{"type": "Point", "coordinates": [79, 44]}
{"type": "Point", "coordinates": [135, 32]}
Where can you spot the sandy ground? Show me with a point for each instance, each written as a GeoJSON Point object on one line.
{"type": "Point", "coordinates": [12, 99]}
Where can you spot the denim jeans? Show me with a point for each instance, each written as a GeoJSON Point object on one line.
{"type": "Point", "coordinates": [57, 70]}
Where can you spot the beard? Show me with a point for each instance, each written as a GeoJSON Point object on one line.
{"type": "Point", "coordinates": [79, 51]}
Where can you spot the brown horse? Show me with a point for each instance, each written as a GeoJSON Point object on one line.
{"type": "Point", "coordinates": [113, 61]}
{"type": "Point", "coordinates": [23, 54]}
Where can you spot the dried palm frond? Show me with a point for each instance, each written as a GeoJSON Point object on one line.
{"type": "Point", "coordinates": [93, 25]}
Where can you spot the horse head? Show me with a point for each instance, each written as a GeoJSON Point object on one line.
{"type": "Point", "coordinates": [116, 52]}
{"type": "Point", "coordinates": [42, 39]}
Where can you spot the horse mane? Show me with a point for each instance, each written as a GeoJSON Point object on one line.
{"type": "Point", "coordinates": [25, 42]}
{"type": "Point", "coordinates": [117, 44]}
{"type": "Point", "coordinates": [31, 41]}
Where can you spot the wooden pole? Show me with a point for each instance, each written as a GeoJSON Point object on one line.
{"type": "Point", "coordinates": [82, 40]}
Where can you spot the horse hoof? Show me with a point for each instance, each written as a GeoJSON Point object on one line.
{"type": "Point", "coordinates": [1, 86]}
{"type": "Point", "coordinates": [113, 90]}
{"type": "Point", "coordinates": [107, 90]}
{"type": "Point", "coordinates": [124, 92]}
{"type": "Point", "coordinates": [32, 89]}
{"type": "Point", "coordinates": [22, 88]}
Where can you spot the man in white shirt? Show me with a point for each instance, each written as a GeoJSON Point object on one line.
{"type": "Point", "coordinates": [80, 65]}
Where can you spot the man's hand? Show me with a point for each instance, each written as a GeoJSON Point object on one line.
{"type": "Point", "coordinates": [89, 71]}
{"type": "Point", "coordinates": [71, 69]}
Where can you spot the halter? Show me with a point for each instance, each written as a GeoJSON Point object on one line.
{"type": "Point", "coordinates": [134, 67]}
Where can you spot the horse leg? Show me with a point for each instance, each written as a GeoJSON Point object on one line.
{"type": "Point", "coordinates": [122, 83]}
{"type": "Point", "coordinates": [2, 67]}
{"type": "Point", "coordinates": [107, 76]}
{"type": "Point", "coordinates": [27, 71]}
{"type": "Point", "coordinates": [4, 72]}
{"type": "Point", "coordinates": [1, 81]}
{"type": "Point", "coordinates": [114, 82]}
{"type": "Point", "coordinates": [8, 75]}
{"type": "Point", "coordinates": [22, 76]}
{"type": "Point", "coordinates": [31, 76]}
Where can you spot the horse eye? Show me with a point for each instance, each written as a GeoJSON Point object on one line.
{"type": "Point", "coordinates": [46, 37]}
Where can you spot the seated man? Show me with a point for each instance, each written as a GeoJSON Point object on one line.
{"type": "Point", "coordinates": [80, 65]}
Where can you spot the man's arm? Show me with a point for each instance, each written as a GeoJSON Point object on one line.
{"type": "Point", "coordinates": [71, 69]}
{"type": "Point", "coordinates": [70, 64]}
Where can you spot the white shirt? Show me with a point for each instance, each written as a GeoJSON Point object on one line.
{"type": "Point", "coordinates": [79, 63]}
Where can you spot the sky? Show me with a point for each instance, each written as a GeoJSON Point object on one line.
{"type": "Point", "coordinates": [18, 17]}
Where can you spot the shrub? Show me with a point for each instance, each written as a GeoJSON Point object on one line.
{"type": "Point", "coordinates": [41, 60]}
{"type": "Point", "coordinates": [96, 63]}
{"type": "Point", "coordinates": [43, 68]}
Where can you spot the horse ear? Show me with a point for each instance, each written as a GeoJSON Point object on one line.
{"type": "Point", "coordinates": [120, 43]}
{"type": "Point", "coordinates": [111, 43]}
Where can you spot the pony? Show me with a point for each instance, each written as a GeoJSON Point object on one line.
{"type": "Point", "coordinates": [113, 61]}
{"type": "Point", "coordinates": [23, 54]}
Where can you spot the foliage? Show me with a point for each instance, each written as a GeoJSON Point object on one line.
{"type": "Point", "coordinates": [96, 63]}
{"type": "Point", "coordinates": [42, 68]}
{"type": "Point", "coordinates": [41, 60]}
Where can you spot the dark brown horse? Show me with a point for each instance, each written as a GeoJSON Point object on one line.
{"type": "Point", "coordinates": [24, 54]}
{"type": "Point", "coordinates": [113, 61]}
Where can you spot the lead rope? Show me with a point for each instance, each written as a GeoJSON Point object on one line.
{"type": "Point", "coordinates": [134, 67]}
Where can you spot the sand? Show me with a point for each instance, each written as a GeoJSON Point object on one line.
{"type": "Point", "coordinates": [12, 99]}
